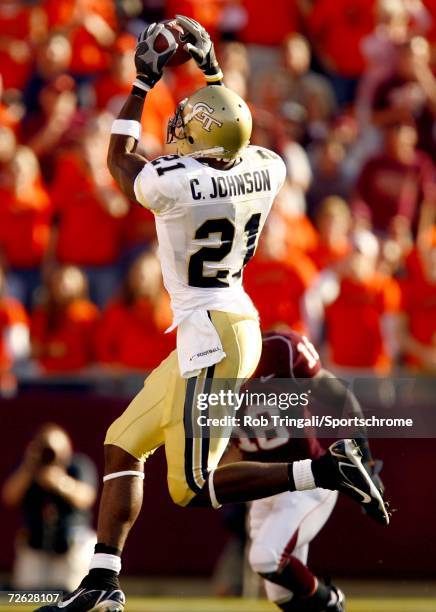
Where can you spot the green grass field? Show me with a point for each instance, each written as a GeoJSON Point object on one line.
{"type": "Point", "coordinates": [163, 604]}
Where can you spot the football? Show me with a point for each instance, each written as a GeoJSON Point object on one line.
{"type": "Point", "coordinates": [161, 43]}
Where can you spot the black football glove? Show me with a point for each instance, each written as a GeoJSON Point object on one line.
{"type": "Point", "coordinates": [201, 50]}
{"type": "Point", "coordinates": [150, 63]}
{"type": "Point", "coordinates": [374, 467]}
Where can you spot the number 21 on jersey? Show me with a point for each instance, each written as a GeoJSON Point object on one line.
{"type": "Point", "coordinates": [226, 229]}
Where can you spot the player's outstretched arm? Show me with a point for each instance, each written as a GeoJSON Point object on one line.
{"type": "Point", "coordinates": [123, 161]}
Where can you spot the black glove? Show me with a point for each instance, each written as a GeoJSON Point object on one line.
{"type": "Point", "coordinates": [201, 51]}
{"type": "Point", "coordinates": [149, 62]}
{"type": "Point", "coordinates": [374, 467]}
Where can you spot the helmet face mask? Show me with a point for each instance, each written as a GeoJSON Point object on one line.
{"type": "Point", "coordinates": [175, 129]}
{"type": "Point", "coordinates": [213, 122]}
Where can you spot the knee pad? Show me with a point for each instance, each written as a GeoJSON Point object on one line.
{"type": "Point", "coordinates": [263, 559]}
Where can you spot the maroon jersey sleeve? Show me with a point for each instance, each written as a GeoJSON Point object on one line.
{"type": "Point", "coordinates": [287, 355]}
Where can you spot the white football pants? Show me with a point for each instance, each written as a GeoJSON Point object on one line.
{"type": "Point", "coordinates": [285, 525]}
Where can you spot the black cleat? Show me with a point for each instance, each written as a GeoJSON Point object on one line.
{"type": "Point", "coordinates": [354, 481]}
{"type": "Point", "coordinates": [339, 605]}
{"type": "Point", "coordinates": [312, 604]}
{"type": "Point", "coordinates": [87, 600]}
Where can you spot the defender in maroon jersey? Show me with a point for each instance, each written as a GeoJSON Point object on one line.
{"type": "Point", "coordinates": [282, 526]}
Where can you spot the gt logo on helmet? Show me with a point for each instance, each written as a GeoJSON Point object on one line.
{"type": "Point", "coordinates": [203, 113]}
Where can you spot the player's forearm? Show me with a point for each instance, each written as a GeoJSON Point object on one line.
{"type": "Point", "coordinates": [337, 397]}
{"type": "Point", "coordinates": [123, 162]}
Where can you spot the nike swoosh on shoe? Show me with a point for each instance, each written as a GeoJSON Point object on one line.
{"type": "Point", "coordinates": [64, 604]}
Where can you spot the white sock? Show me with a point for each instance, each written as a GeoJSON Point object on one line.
{"type": "Point", "coordinates": [303, 476]}
{"type": "Point", "coordinates": [105, 561]}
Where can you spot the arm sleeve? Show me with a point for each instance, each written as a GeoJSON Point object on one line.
{"type": "Point", "coordinates": [154, 191]}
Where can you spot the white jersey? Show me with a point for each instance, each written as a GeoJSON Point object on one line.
{"type": "Point", "coordinates": [208, 223]}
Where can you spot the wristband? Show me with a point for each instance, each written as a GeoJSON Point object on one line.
{"type": "Point", "coordinates": [213, 78]}
{"type": "Point", "coordinates": [127, 127]}
{"type": "Point", "coordinates": [140, 88]}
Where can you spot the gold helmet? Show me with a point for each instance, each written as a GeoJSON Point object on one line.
{"type": "Point", "coordinates": [213, 122]}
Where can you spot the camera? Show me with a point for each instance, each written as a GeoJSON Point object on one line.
{"type": "Point", "coordinates": [47, 455]}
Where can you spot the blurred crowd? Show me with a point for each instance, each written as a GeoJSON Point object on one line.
{"type": "Point", "coordinates": [344, 91]}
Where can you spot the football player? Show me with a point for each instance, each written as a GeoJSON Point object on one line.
{"type": "Point", "coordinates": [282, 526]}
{"type": "Point", "coordinates": [210, 202]}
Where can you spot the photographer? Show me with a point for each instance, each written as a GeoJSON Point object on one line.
{"type": "Point", "coordinates": [55, 491]}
